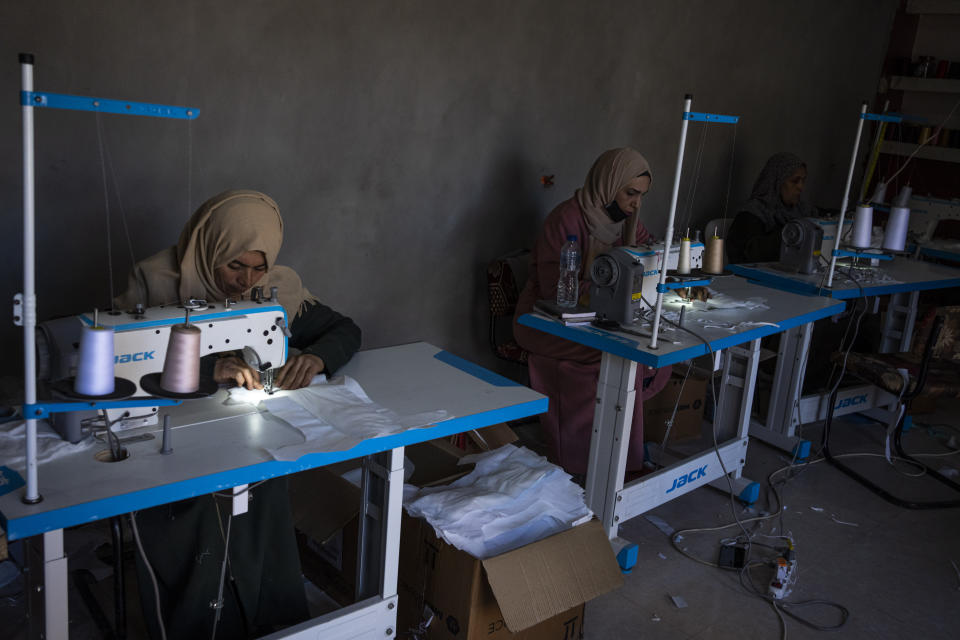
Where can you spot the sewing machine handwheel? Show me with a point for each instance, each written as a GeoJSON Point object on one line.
{"type": "Point", "coordinates": [122, 388]}
{"type": "Point", "coordinates": [604, 271]}
{"type": "Point", "coordinates": [151, 384]}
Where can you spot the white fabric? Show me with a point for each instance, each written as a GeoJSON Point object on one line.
{"type": "Point", "coordinates": [334, 415]}
{"type": "Point", "coordinates": [50, 445]}
{"type": "Point", "coordinates": [512, 497]}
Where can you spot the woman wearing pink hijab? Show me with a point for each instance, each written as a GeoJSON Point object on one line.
{"type": "Point", "coordinates": [601, 214]}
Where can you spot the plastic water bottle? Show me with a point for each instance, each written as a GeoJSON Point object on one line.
{"type": "Point", "coordinates": [568, 286]}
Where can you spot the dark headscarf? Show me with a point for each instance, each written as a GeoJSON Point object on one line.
{"type": "Point", "coordinates": [765, 202]}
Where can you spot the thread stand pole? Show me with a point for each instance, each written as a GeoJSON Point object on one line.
{"type": "Point", "coordinates": [687, 102]}
{"type": "Point", "coordinates": [29, 312]}
{"type": "Point", "coordinates": [846, 193]}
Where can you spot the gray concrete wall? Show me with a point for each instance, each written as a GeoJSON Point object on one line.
{"type": "Point", "coordinates": [404, 141]}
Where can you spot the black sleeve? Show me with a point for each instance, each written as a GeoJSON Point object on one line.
{"type": "Point", "coordinates": [748, 241]}
{"type": "Point", "coordinates": [321, 331]}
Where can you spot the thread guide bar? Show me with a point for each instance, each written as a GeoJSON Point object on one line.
{"type": "Point", "coordinates": [882, 117]}
{"type": "Point", "coordinates": [710, 117]}
{"type": "Point", "coordinates": [105, 105]}
{"type": "Point", "coordinates": [44, 409]}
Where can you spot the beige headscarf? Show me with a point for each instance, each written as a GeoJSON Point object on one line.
{"type": "Point", "coordinates": [609, 173]}
{"type": "Point", "coordinates": [223, 228]}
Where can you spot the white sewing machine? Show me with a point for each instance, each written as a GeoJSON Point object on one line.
{"type": "Point", "coordinates": [140, 344]}
{"type": "Point", "coordinates": [650, 256]}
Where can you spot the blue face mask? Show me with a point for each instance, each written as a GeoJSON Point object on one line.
{"type": "Point", "coordinates": [615, 212]}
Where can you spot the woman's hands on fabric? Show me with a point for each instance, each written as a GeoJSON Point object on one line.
{"type": "Point", "coordinates": [299, 371]}
{"type": "Point", "coordinates": [233, 369]}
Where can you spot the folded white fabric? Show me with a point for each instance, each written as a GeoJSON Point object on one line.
{"type": "Point", "coordinates": [50, 445]}
{"type": "Point", "coordinates": [512, 497]}
{"type": "Point", "coordinates": [337, 415]}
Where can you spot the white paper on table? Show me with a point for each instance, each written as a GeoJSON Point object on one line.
{"type": "Point", "coordinates": [336, 416]}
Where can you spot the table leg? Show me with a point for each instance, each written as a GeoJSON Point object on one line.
{"type": "Point", "coordinates": [610, 440]}
{"type": "Point", "coordinates": [779, 427]}
{"type": "Point", "coordinates": [55, 614]}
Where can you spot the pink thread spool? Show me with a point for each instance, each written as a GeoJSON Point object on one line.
{"type": "Point", "coordinates": [181, 367]}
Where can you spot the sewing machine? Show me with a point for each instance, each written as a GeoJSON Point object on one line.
{"type": "Point", "coordinates": [257, 329]}
{"type": "Point", "coordinates": [624, 281]}
{"type": "Point", "coordinates": [800, 243]}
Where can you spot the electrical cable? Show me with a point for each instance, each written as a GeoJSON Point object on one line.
{"type": "Point", "coordinates": [153, 577]}
{"type": "Point", "coordinates": [223, 571]}
{"type": "Point", "coordinates": [780, 607]}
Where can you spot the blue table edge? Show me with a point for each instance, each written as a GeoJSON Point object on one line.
{"type": "Point", "coordinates": [620, 345]}
{"type": "Point", "coordinates": [786, 283]}
{"type": "Point", "coordinates": [31, 525]}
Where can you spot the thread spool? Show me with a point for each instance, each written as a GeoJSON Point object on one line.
{"type": "Point", "coordinates": [862, 226]}
{"type": "Point", "coordinates": [879, 193]}
{"type": "Point", "coordinates": [95, 369]}
{"type": "Point", "coordinates": [713, 255]}
{"type": "Point", "coordinates": [683, 260]}
{"type": "Point", "coordinates": [903, 198]}
{"type": "Point", "coordinates": [895, 236]}
{"type": "Point", "coordinates": [181, 367]}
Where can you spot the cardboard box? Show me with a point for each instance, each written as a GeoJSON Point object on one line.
{"type": "Point", "coordinates": [536, 592]}
{"type": "Point", "coordinates": [325, 508]}
{"type": "Point", "coordinates": [486, 439]}
{"type": "Point", "coordinates": [688, 422]}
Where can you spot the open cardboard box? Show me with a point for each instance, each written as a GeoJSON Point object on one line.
{"type": "Point", "coordinates": [536, 592]}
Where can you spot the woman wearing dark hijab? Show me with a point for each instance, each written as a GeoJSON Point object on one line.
{"type": "Point", "coordinates": [603, 213]}
{"type": "Point", "coordinates": [754, 235]}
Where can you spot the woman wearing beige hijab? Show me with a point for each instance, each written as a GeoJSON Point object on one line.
{"type": "Point", "coordinates": [228, 246]}
{"type": "Point", "coordinates": [603, 213]}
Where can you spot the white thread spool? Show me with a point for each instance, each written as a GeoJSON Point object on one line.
{"type": "Point", "coordinates": [181, 367]}
{"type": "Point", "coordinates": [895, 237]}
{"type": "Point", "coordinates": [862, 226]}
{"type": "Point", "coordinates": [95, 369]}
{"type": "Point", "coordinates": [903, 198]}
{"type": "Point", "coordinates": [879, 193]}
{"type": "Point", "coordinates": [683, 260]}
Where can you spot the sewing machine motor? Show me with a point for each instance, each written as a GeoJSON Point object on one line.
{"type": "Point", "coordinates": [800, 245]}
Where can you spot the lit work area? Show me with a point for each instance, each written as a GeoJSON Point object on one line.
{"type": "Point", "coordinates": [449, 321]}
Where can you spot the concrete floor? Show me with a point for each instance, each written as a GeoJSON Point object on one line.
{"type": "Point", "coordinates": [890, 567]}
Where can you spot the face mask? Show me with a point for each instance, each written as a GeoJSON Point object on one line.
{"type": "Point", "coordinates": [615, 212]}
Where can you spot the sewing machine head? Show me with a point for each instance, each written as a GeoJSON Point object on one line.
{"type": "Point", "coordinates": [141, 335]}
{"type": "Point", "coordinates": [257, 330]}
{"type": "Point", "coordinates": [800, 245]}
{"type": "Point", "coordinates": [625, 278]}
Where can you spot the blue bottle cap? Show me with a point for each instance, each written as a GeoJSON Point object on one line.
{"type": "Point", "coordinates": [571, 238]}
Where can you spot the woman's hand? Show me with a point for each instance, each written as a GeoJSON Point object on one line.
{"type": "Point", "coordinates": [299, 371]}
{"type": "Point", "coordinates": [233, 369]}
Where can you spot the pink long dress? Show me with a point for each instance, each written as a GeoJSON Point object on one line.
{"type": "Point", "coordinates": [567, 372]}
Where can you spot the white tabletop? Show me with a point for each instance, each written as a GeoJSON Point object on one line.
{"type": "Point", "coordinates": [894, 276]}
{"type": "Point", "coordinates": [217, 446]}
{"type": "Point", "coordinates": [785, 310]}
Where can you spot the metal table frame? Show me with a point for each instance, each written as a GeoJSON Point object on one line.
{"type": "Point", "coordinates": [789, 409]}
{"type": "Point", "coordinates": [608, 496]}
{"type": "Point", "coordinates": [408, 379]}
